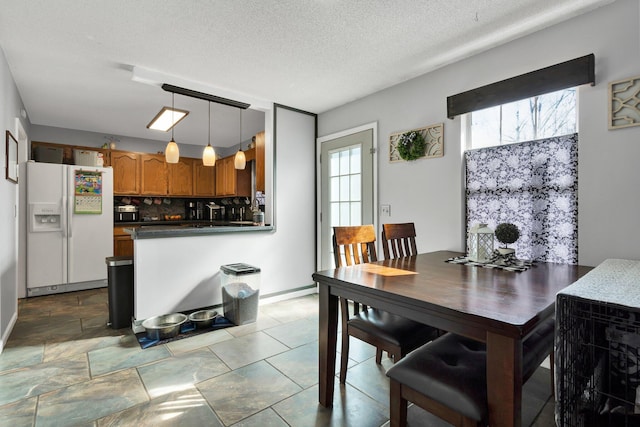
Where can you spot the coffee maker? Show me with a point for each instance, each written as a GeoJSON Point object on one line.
{"type": "Point", "coordinates": [194, 210]}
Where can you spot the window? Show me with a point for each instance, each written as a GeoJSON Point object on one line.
{"type": "Point", "coordinates": [542, 116]}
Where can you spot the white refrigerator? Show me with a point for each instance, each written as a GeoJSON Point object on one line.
{"type": "Point", "coordinates": [69, 227]}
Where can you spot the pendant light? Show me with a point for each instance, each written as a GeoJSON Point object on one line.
{"type": "Point", "coordinates": [208, 154]}
{"type": "Point", "coordinates": [172, 152]}
{"type": "Point", "coordinates": [240, 161]}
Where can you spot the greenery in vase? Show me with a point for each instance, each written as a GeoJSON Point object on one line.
{"type": "Point", "coordinates": [411, 145]}
{"type": "Point", "coordinates": [507, 233]}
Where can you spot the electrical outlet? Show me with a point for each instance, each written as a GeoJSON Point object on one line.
{"type": "Point", "coordinates": [385, 210]}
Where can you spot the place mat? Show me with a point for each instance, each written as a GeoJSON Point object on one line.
{"type": "Point", "coordinates": [504, 262]}
{"type": "Point", "coordinates": [188, 329]}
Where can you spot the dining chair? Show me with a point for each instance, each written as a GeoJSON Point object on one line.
{"type": "Point", "coordinates": [448, 377]}
{"type": "Point", "coordinates": [399, 240]}
{"type": "Point", "coordinates": [387, 332]}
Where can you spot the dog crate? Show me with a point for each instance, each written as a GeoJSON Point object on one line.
{"type": "Point", "coordinates": [597, 350]}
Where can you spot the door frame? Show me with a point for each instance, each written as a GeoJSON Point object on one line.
{"type": "Point", "coordinates": [373, 126]}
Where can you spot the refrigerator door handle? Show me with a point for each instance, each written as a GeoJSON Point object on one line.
{"type": "Point", "coordinates": [63, 217]}
{"type": "Point", "coordinates": [69, 217]}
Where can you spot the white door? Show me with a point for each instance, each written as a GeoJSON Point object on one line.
{"type": "Point", "coordinates": [90, 234]}
{"type": "Point", "coordinates": [347, 185]}
{"type": "Point", "coordinates": [46, 233]}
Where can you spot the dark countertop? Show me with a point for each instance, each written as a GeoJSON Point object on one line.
{"type": "Point", "coordinates": [161, 229]}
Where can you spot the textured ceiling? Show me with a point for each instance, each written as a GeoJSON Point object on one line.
{"type": "Point", "coordinates": [74, 60]}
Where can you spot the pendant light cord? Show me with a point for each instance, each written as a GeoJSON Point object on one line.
{"type": "Point", "coordinates": [173, 112]}
{"type": "Point", "coordinates": [209, 136]}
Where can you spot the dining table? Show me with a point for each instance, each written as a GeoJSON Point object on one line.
{"type": "Point", "coordinates": [496, 306]}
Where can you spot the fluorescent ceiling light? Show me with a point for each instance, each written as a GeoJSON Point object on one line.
{"type": "Point", "coordinates": [167, 118]}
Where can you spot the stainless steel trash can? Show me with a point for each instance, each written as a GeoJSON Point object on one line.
{"type": "Point", "coordinates": [120, 290]}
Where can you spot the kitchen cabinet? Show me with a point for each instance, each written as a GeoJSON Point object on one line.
{"type": "Point", "coordinates": [153, 175]}
{"type": "Point", "coordinates": [122, 242]}
{"type": "Point", "coordinates": [126, 172]}
{"type": "Point", "coordinates": [180, 177]}
{"type": "Point", "coordinates": [204, 179]}
{"type": "Point", "coordinates": [231, 181]}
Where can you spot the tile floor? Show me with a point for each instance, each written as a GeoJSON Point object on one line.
{"type": "Point", "coordinates": [62, 366]}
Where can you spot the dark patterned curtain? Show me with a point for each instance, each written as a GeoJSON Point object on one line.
{"type": "Point", "coordinates": [533, 185]}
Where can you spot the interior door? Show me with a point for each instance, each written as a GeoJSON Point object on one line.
{"type": "Point", "coordinates": [347, 185]}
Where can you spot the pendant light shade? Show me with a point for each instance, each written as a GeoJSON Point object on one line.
{"type": "Point", "coordinates": [240, 161]}
{"type": "Point", "coordinates": [172, 152]}
{"type": "Point", "coordinates": [209, 154]}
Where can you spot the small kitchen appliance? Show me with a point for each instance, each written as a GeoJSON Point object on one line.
{"type": "Point", "coordinates": [126, 213]}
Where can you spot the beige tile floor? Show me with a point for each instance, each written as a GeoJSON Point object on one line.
{"type": "Point", "coordinates": [64, 367]}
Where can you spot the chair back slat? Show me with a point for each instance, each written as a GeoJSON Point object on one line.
{"type": "Point", "coordinates": [399, 240]}
{"type": "Point", "coordinates": [354, 245]}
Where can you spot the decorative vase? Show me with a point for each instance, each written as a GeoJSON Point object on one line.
{"type": "Point", "coordinates": [506, 251]}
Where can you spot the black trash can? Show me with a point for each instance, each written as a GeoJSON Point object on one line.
{"type": "Point", "coordinates": [120, 290]}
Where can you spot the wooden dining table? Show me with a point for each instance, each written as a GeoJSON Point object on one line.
{"type": "Point", "coordinates": [495, 306]}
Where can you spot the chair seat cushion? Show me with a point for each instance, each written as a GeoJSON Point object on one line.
{"type": "Point", "coordinates": [450, 370]}
{"type": "Point", "coordinates": [395, 329]}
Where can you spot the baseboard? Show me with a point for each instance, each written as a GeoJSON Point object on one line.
{"type": "Point", "coordinates": [7, 333]}
{"type": "Point", "coordinates": [289, 294]}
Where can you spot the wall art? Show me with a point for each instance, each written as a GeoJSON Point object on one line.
{"type": "Point", "coordinates": [624, 103]}
{"type": "Point", "coordinates": [433, 137]}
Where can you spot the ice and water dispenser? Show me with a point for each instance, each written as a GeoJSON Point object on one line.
{"type": "Point", "coordinates": [45, 217]}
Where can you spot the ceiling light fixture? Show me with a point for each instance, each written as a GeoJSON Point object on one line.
{"type": "Point", "coordinates": [240, 161]}
{"type": "Point", "coordinates": [209, 154]}
{"type": "Point", "coordinates": [172, 152]}
{"type": "Point", "coordinates": [205, 96]}
{"type": "Point", "coordinates": [167, 118]}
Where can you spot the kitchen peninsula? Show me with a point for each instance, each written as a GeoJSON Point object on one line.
{"type": "Point", "coordinates": [177, 268]}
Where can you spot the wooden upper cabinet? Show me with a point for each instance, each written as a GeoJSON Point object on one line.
{"type": "Point", "coordinates": [231, 181]}
{"type": "Point", "coordinates": [260, 162]}
{"type": "Point", "coordinates": [126, 172]}
{"type": "Point", "coordinates": [204, 179]}
{"type": "Point", "coordinates": [180, 177]}
{"type": "Point", "coordinates": [225, 182]}
{"type": "Point", "coordinates": [153, 169]}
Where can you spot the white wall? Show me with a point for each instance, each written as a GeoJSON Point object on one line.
{"type": "Point", "coordinates": [182, 273]}
{"type": "Point", "coordinates": [430, 192]}
{"type": "Point", "coordinates": [10, 108]}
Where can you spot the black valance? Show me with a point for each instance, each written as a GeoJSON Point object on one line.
{"type": "Point", "coordinates": [567, 74]}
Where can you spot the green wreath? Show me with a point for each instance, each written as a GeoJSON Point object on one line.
{"type": "Point", "coordinates": [411, 145]}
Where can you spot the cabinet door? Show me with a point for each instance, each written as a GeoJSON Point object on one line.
{"type": "Point", "coordinates": [122, 242]}
{"type": "Point", "coordinates": [260, 162]}
{"type": "Point", "coordinates": [154, 175]}
{"type": "Point", "coordinates": [126, 172]}
{"type": "Point", "coordinates": [122, 246]}
{"type": "Point", "coordinates": [224, 181]}
{"type": "Point", "coordinates": [204, 179]}
{"type": "Point", "coordinates": [180, 176]}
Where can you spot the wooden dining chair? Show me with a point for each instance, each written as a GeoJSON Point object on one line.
{"type": "Point", "coordinates": [387, 332]}
{"type": "Point", "coordinates": [399, 240]}
{"type": "Point", "coordinates": [448, 377]}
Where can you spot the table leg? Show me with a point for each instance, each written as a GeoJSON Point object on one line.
{"type": "Point", "coordinates": [504, 380]}
{"type": "Point", "coordinates": [328, 317]}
